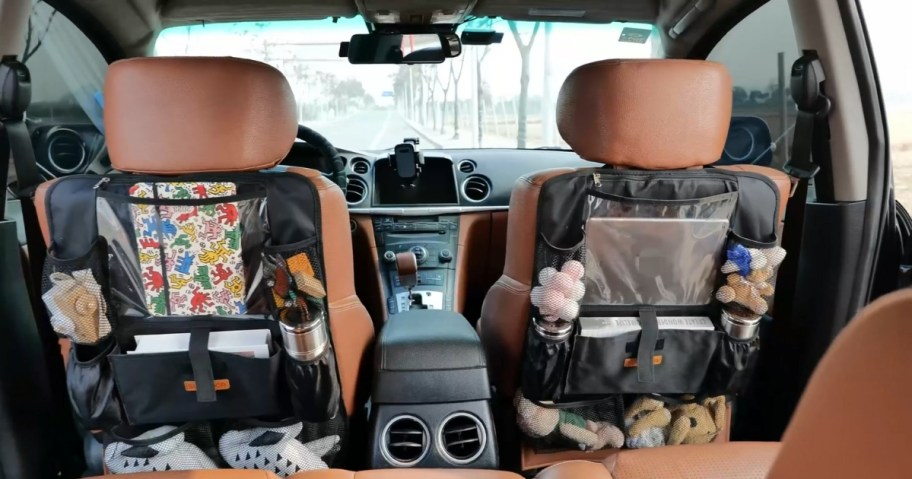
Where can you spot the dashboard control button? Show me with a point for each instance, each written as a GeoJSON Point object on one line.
{"type": "Point", "coordinates": [389, 257]}
{"type": "Point", "coordinates": [420, 252]}
{"type": "Point", "coordinates": [445, 256]}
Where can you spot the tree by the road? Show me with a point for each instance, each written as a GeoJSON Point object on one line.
{"type": "Point", "coordinates": [445, 88]}
{"type": "Point", "coordinates": [524, 50]}
{"type": "Point", "coordinates": [428, 74]}
{"type": "Point", "coordinates": [456, 75]}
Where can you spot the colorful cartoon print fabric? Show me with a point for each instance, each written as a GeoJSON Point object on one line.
{"type": "Point", "coordinates": [199, 245]}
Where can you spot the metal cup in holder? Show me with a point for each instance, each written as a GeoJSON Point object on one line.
{"type": "Point", "coordinates": [307, 340]}
{"type": "Point", "coordinates": [739, 326]}
{"type": "Point", "coordinates": [556, 331]}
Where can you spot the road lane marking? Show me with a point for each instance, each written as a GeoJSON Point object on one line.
{"type": "Point", "coordinates": [386, 121]}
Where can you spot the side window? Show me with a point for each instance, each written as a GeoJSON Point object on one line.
{"type": "Point", "coordinates": [887, 29]}
{"type": "Point", "coordinates": [759, 53]}
{"type": "Point", "coordinates": [65, 115]}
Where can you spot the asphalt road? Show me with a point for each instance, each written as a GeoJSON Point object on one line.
{"type": "Point", "coordinates": [370, 130]}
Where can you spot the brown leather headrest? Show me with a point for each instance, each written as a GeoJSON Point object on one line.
{"type": "Point", "coordinates": [646, 114]}
{"type": "Point", "coordinates": [185, 115]}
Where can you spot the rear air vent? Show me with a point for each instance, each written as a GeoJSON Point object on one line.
{"type": "Point", "coordinates": [462, 438]}
{"type": "Point", "coordinates": [360, 166]}
{"type": "Point", "coordinates": [357, 190]}
{"type": "Point", "coordinates": [476, 188]}
{"type": "Point", "coordinates": [466, 166]}
{"type": "Point", "coordinates": [405, 441]}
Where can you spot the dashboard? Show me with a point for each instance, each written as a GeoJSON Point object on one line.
{"type": "Point", "coordinates": [69, 149]}
{"type": "Point", "coordinates": [451, 182]}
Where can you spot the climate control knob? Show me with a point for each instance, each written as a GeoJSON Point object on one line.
{"type": "Point", "coordinates": [445, 256]}
{"type": "Point", "coordinates": [420, 252]}
{"type": "Point", "coordinates": [389, 257]}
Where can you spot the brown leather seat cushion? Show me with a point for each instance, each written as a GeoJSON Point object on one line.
{"type": "Point", "coordinates": [734, 460]}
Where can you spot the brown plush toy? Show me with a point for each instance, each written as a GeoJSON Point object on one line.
{"type": "Point", "coordinates": [697, 423]}
{"type": "Point", "coordinates": [646, 420]}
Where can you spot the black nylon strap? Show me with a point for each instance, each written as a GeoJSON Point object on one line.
{"type": "Point", "coordinates": [4, 167]}
{"type": "Point", "coordinates": [27, 175]}
{"type": "Point", "coordinates": [810, 148]}
{"type": "Point", "coordinates": [15, 139]}
{"type": "Point", "coordinates": [649, 334]}
{"type": "Point", "coordinates": [202, 365]}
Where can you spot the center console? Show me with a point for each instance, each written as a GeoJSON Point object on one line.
{"type": "Point", "coordinates": [433, 241]}
{"type": "Point", "coordinates": [431, 396]}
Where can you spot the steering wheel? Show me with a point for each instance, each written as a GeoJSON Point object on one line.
{"type": "Point", "coordinates": [329, 151]}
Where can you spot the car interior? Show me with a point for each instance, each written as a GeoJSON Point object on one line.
{"type": "Point", "coordinates": [495, 239]}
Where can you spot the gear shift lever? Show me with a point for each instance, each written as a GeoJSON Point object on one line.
{"type": "Point", "coordinates": [407, 268]}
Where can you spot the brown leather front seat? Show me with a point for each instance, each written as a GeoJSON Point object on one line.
{"type": "Point", "coordinates": [174, 116]}
{"type": "Point", "coordinates": [852, 421]}
{"type": "Point", "coordinates": [631, 114]}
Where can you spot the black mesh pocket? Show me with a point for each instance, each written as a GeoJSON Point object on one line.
{"type": "Point", "coordinates": [90, 384]}
{"type": "Point", "coordinates": [555, 297]}
{"type": "Point", "coordinates": [294, 281]}
{"type": "Point", "coordinates": [283, 448]}
{"type": "Point", "coordinates": [733, 366]}
{"type": "Point", "coordinates": [76, 293]}
{"type": "Point", "coordinates": [165, 448]}
{"type": "Point", "coordinates": [544, 365]}
{"type": "Point", "coordinates": [750, 274]}
{"type": "Point", "coordinates": [314, 387]}
{"type": "Point", "coordinates": [655, 421]}
{"type": "Point", "coordinates": [296, 287]}
{"type": "Point", "coordinates": [586, 426]}
{"type": "Point", "coordinates": [558, 286]}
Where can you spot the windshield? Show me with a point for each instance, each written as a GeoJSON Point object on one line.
{"type": "Point", "coordinates": [501, 95]}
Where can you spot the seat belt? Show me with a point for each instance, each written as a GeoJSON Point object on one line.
{"type": "Point", "coordinates": [811, 142]}
{"type": "Point", "coordinates": [16, 150]}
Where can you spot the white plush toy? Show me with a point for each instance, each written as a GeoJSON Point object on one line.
{"type": "Point", "coordinates": [171, 454]}
{"type": "Point", "coordinates": [275, 449]}
{"type": "Point", "coordinates": [560, 291]}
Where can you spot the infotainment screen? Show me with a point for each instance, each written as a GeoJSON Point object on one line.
{"type": "Point", "coordinates": [436, 185]}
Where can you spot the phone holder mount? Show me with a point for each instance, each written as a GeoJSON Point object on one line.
{"type": "Point", "coordinates": [407, 160]}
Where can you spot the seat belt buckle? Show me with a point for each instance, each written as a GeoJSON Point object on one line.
{"type": "Point", "coordinates": [800, 170]}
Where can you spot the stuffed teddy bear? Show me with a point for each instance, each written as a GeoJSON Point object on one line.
{"type": "Point", "coordinates": [749, 271]}
{"type": "Point", "coordinates": [275, 449]}
{"type": "Point", "coordinates": [646, 420]}
{"type": "Point", "coordinates": [172, 453]}
{"type": "Point", "coordinates": [697, 423]}
{"type": "Point", "coordinates": [560, 291]}
{"type": "Point", "coordinates": [537, 422]}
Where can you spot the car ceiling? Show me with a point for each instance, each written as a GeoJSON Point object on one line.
{"type": "Point", "coordinates": [134, 24]}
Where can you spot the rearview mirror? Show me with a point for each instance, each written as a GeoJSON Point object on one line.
{"type": "Point", "coordinates": [387, 48]}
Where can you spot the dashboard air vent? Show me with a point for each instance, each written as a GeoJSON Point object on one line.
{"type": "Point", "coordinates": [405, 441]}
{"type": "Point", "coordinates": [66, 151]}
{"type": "Point", "coordinates": [467, 166]}
{"type": "Point", "coordinates": [462, 438]}
{"type": "Point", "coordinates": [360, 166]}
{"type": "Point", "coordinates": [476, 188]}
{"type": "Point", "coordinates": [357, 190]}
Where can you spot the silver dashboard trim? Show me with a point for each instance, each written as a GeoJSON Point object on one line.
{"type": "Point", "coordinates": [424, 211]}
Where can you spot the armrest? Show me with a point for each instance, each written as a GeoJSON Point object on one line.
{"type": "Point", "coordinates": [426, 356]}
